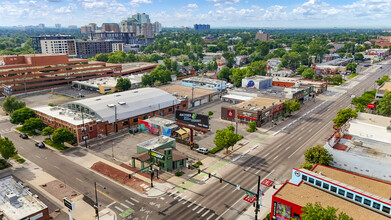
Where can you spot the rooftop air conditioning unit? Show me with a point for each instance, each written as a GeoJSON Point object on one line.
{"type": "Point", "coordinates": [122, 103]}
{"type": "Point", "coordinates": [175, 94]}
{"type": "Point", "coordinates": [185, 97]}
{"type": "Point", "coordinates": [110, 105]}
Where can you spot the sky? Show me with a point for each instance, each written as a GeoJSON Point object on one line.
{"type": "Point", "coordinates": [217, 13]}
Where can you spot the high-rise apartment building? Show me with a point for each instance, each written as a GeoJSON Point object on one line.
{"type": "Point", "coordinates": [58, 37]}
{"type": "Point", "coordinates": [129, 25]}
{"type": "Point", "coordinates": [262, 36]}
{"type": "Point", "coordinates": [85, 29]}
{"type": "Point", "coordinates": [141, 18]}
{"type": "Point", "coordinates": [93, 27]}
{"type": "Point", "coordinates": [58, 26]}
{"type": "Point", "coordinates": [64, 46]}
{"type": "Point", "coordinates": [157, 27]}
{"type": "Point", "coordinates": [41, 26]}
{"type": "Point", "coordinates": [110, 27]}
{"type": "Point", "coordinates": [146, 30]}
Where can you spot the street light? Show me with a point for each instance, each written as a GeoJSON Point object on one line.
{"type": "Point", "coordinates": [258, 189]}
{"type": "Point", "coordinates": [115, 115]}
{"type": "Point", "coordinates": [96, 200]}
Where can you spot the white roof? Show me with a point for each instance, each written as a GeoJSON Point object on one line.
{"type": "Point", "coordinates": [128, 104]}
{"type": "Point", "coordinates": [237, 97]}
{"type": "Point", "coordinates": [64, 114]}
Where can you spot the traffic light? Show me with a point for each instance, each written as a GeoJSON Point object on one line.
{"type": "Point", "coordinates": [130, 176]}
{"type": "Point", "coordinates": [209, 175]}
{"type": "Point", "coordinates": [199, 171]}
{"type": "Point", "coordinates": [221, 180]}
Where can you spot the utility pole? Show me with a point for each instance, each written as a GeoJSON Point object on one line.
{"type": "Point", "coordinates": [96, 200]}
{"type": "Point", "coordinates": [84, 129]}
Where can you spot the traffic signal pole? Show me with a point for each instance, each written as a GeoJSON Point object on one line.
{"type": "Point", "coordinates": [257, 202]}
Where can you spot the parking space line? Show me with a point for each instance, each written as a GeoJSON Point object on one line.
{"type": "Point", "coordinates": [205, 213]}
{"type": "Point", "coordinates": [177, 196]}
{"type": "Point", "coordinates": [129, 202]}
{"type": "Point", "coordinates": [191, 204]}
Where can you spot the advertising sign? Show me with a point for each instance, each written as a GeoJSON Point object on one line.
{"type": "Point", "coordinates": [230, 113]}
{"type": "Point", "coordinates": [192, 118]}
{"type": "Point", "coordinates": [157, 155]}
{"type": "Point", "coordinates": [371, 105]}
{"type": "Point", "coordinates": [70, 205]}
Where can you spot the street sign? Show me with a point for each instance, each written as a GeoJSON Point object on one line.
{"type": "Point", "coordinates": [250, 194]}
{"type": "Point", "coordinates": [250, 199]}
{"type": "Point", "coordinates": [267, 182]}
{"type": "Point", "coordinates": [70, 205]}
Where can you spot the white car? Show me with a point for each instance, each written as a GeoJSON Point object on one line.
{"type": "Point", "coordinates": [202, 150]}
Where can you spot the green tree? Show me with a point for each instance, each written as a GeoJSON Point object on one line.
{"type": "Point", "coordinates": [343, 116]}
{"type": "Point", "coordinates": [352, 67]}
{"type": "Point", "coordinates": [10, 104]}
{"type": "Point", "coordinates": [358, 56]}
{"type": "Point", "coordinates": [237, 76]}
{"type": "Point", "coordinates": [316, 212]}
{"type": "Point", "coordinates": [290, 60]}
{"type": "Point", "coordinates": [21, 115]}
{"type": "Point", "coordinates": [226, 138]}
{"type": "Point", "coordinates": [318, 155]}
{"type": "Point", "coordinates": [167, 63]}
{"type": "Point", "coordinates": [384, 105]}
{"type": "Point", "coordinates": [7, 148]}
{"type": "Point", "coordinates": [309, 73]}
{"type": "Point", "coordinates": [385, 78]}
{"type": "Point", "coordinates": [252, 126]}
{"type": "Point", "coordinates": [210, 113]}
{"type": "Point", "coordinates": [32, 124]}
{"type": "Point", "coordinates": [301, 69]}
{"type": "Point", "coordinates": [225, 73]}
{"type": "Point", "coordinates": [123, 84]}
{"type": "Point", "coordinates": [307, 165]}
{"type": "Point", "coordinates": [257, 68]}
{"type": "Point", "coordinates": [102, 57]}
{"type": "Point", "coordinates": [292, 105]}
{"type": "Point", "coordinates": [48, 131]}
{"type": "Point", "coordinates": [61, 135]}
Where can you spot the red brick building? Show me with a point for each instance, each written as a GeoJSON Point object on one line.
{"type": "Point", "coordinates": [33, 72]}
{"type": "Point", "coordinates": [101, 115]}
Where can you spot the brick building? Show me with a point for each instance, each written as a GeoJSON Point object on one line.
{"type": "Point", "coordinates": [110, 113]}
{"type": "Point", "coordinates": [25, 73]}
{"type": "Point", "coordinates": [110, 27]}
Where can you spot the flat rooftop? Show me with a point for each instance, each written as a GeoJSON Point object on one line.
{"type": "Point", "coordinates": [155, 142]}
{"type": "Point", "coordinates": [17, 202]}
{"type": "Point", "coordinates": [162, 122]}
{"type": "Point", "coordinates": [259, 102]}
{"type": "Point", "coordinates": [64, 114]}
{"type": "Point", "coordinates": [237, 97]}
{"type": "Point", "coordinates": [203, 80]}
{"type": "Point", "coordinates": [372, 119]}
{"type": "Point", "coordinates": [182, 91]}
{"type": "Point", "coordinates": [109, 82]}
{"type": "Point", "coordinates": [137, 65]}
{"type": "Point", "coordinates": [386, 86]}
{"type": "Point", "coordinates": [305, 193]}
{"type": "Point", "coordinates": [376, 187]}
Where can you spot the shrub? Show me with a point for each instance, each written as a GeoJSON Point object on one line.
{"type": "Point", "coordinates": [18, 159]}
{"type": "Point", "coordinates": [178, 173]}
{"type": "Point", "coordinates": [3, 164]}
{"type": "Point", "coordinates": [199, 163]}
{"type": "Point", "coordinates": [52, 104]}
{"type": "Point", "coordinates": [196, 165]}
{"type": "Point", "coordinates": [252, 127]}
{"type": "Point", "coordinates": [307, 165]}
{"type": "Point", "coordinates": [210, 113]}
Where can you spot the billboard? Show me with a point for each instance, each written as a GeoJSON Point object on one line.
{"type": "Point", "coordinates": [192, 119]}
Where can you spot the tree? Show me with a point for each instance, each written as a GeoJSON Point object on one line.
{"type": "Point", "coordinates": [47, 131]}
{"type": "Point", "coordinates": [167, 63]}
{"type": "Point", "coordinates": [308, 73]}
{"type": "Point", "coordinates": [61, 135]}
{"type": "Point", "coordinates": [225, 73]}
{"type": "Point", "coordinates": [237, 76]}
{"type": "Point", "coordinates": [252, 126]}
{"type": "Point", "coordinates": [290, 60]}
{"type": "Point", "coordinates": [7, 148]}
{"type": "Point", "coordinates": [318, 155]}
{"type": "Point", "coordinates": [301, 69]}
{"type": "Point", "coordinates": [292, 105]}
{"type": "Point", "coordinates": [384, 106]}
{"type": "Point", "coordinates": [21, 115]}
{"type": "Point", "coordinates": [210, 113]}
{"type": "Point", "coordinates": [123, 84]}
{"type": "Point", "coordinates": [343, 116]}
{"type": "Point", "coordinates": [315, 212]}
{"type": "Point", "coordinates": [10, 104]}
{"type": "Point", "coordinates": [358, 56]}
{"type": "Point", "coordinates": [385, 78]}
{"type": "Point", "coordinates": [226, 138]}
{"type": "Point", "coordinates": [351, 67]}
{"type": "Point", "coordinates": [32, 124]}
{"type": "Point", "coordinates": [307, 165]}
{"type": "Point", "coordinates": [257, 68]}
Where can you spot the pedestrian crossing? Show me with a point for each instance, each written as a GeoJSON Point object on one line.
{"type": "Point", "coordinates": [6, 130]}
{"type": "Point", "coordinates": [194, 205]}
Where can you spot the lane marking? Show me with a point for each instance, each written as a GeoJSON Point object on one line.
{"type": "Point", "coordinates": [56, 167]}
{"type": "Point", "coordinates": [267, 154]}
{"type": "Point", "coordinates": [199, 211]}
{"type": "Point", "coordinates": [196, 207]}
{"type": "Point", "coordinates": [205, 213]}
{"type": "Point", "coordinates": [186, 201]}
{"type": "Point", "coordinates": [37, 156]}
{"type": "Point", "coordinates": [310, 130]}
{"type": "Point", "coordinates": [300, 138]}
{"type": "Point", "coordinates": [210, 216]}
{"type": "Point", "coordinates": [225, 186]}
{"type": "Point", "coordinates": [79, 179]}
{"type": "Point", "coordinates": [181, 198]}
{"type": "Point", "coordinates": [135, 200]}
{"type": "Point", "coordinates": [125, 206]}
{"type": "Point", "coordinates": [248, 168]}
{"type": "Point", "coordinates": [258, 171]}
{"type": "Point", "coordinates": [287, 148]}
{"type": "Point", "coordinates": [129, 202]}
{"type": "Point", "coordinates": [276, 157]}
{"type": "Point", "coordinates": [107, 196]}
{"type": "Point", "coordinates": [279, 145]}
{"type": "Point", "coordinates": [119, 208]}
{"type": "Point", "coordinates": [111, 204]}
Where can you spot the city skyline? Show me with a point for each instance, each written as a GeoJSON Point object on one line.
{"type": "Point", "coordinates": [217, 13]}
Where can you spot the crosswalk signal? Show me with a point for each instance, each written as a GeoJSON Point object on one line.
{"type": "Point", "coordinates": [199, 171]}
{"type": "Point", "coordinates": [221, 180]}
{"type": "Point", "coordinates": [209, 175]}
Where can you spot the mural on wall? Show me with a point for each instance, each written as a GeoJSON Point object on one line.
{"type": "Point", "coordinates": [149, 127]}
{"type": "Point", "coordinates": [166, 131]}
{"type": "Point", "coordinates": [284, 210]}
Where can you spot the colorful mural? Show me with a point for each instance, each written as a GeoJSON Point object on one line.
{"type": "Point", "coordinates": [153, 128]}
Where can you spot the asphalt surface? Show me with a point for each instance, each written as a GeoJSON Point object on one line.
{"type": "Point", "coordinates": [274, 159]}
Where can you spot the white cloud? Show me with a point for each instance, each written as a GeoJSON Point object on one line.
{"type": "Point", "coordinates": [224, 1]}
{"type": "Point", "coordinates": [192, 6]}
{"type": "Point", "coordinates": [136, 3]}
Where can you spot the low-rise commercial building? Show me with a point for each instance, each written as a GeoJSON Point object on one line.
{"type": "Point", "coordinates": [257, 82]}
{"type": "Point", "coordinates": [25, 73]}
{"type": "Point", "coordinates": [385, 87]}
{"type": "Point", "coordinates": [319, 86]}
{"type": "Point", "coordinates": [158, 126]}
{"type": "Point", "coordinates": [363, 145]}
{"type": "Point", "coordinates": [205, 83]}
{"type": "Point", "coordinates": [196, 96]}
{"type": "Point", "coordinates": [97, 117]}
{"type": "Point", "coordinates": [17, 202]}
{"type": "Point", "coordinates": [358, 196]}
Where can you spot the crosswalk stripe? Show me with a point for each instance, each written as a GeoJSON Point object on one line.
{"type": "Point", "coordinates": [111, 204]}
{"type": "Point", "coordinates": [205, 213]}
{"type": "Point", "coordinates": [199, 211]}
{"type": "Point", "coordinates": [119, 208]}
{"type": "Point", "coordinates": [129, 202]}
{"type": "Point", "coordinates": [187, 201]}
{"type": "Point", "coordinates": [181, 198]}
{"type": "Point", "coordinates": [124, 205]}
{"type": "Point", "coordinates": [196, 207]}
{"type": "Point", "coordinates": [177, 196]}
{"type": "Point", "coordinates": [190, 204]}
{"type": "Point", "coordinates": [135, 200]}
{"type": "Point", "coordinates": [210, 216]}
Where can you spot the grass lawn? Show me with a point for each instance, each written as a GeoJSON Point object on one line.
{"type": "Point", "coordinates": [352, 76]}
{"type": "Point", "coordinates": [56, 146]}
{"type": "Point", "coordinates": [29, 133]}
{"type": "Point", "coordinates": [18, 158]}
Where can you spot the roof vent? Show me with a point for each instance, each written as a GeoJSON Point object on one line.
{"type": "Point", "coordinates": [122, 103]}
{"type": "Point", "coordinates": [110, 105]}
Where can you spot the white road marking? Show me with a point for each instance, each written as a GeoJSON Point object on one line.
{"type": "Point", "coordinates": [225, 186]}
{"type": "Point", "coordinates": [300, 138]}
{"type": "Point", "coordinates": [287, 148]}
{"type": "Point", "coordinates": [135, 200]}
{"type": "Point", "coordinates": [210, 216]}
{"type": "Point", "coordinates": [205, 213]}
{"type": "Point", "coordinates": [79, 179]}
{"type": "Point", "coordinates": [177, 196]}
{"type": "Point", "coordinates": [191, 204]}
{"type": "Point", "coordinates": [119, 208]}
{"type": "Point", "coordinates": [37, 156]}
{"type": "Point", "coordinates": [267, 154]}
{"type": "Point", "coordinates": [186, 201]}
{"type": "Point", "coordinates": [248, 168]}
{"type": "Point", "coordinates": [196, 207]}
{"type": "Point", "coordinates": [56, 167]}
{"type": "Point", "coordinates": [110, 204]}
{"type": "Point", "coordinates": [199, 211]}
{"type": "Point", "coordinates": [146, 217]}
{"type": "Point", "coordinates": [124, 205]}
{"type": "Point", "coordinates": [258, 171]}
{"type": "Point", "coordinates": [129, 202]}
{"type": "Point", "coordinates": [181, 198]}
{"type": "Point", "coordinates": [275, 157]}
{"type": "Point", "coordinates": [279, 145]}
{"type": "Point", "coordinates": [310, 130]}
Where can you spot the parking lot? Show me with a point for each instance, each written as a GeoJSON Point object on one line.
{"type": "Point", "coordinates": [77, 93]}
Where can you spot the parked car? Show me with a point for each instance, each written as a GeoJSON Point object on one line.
{"type": "Point", "coordinates": [202, 150]}
{"type": "Point", "coordinates": [40, 144]}
{"type": "Point", "coordinates": [24, 136]}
